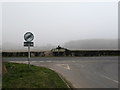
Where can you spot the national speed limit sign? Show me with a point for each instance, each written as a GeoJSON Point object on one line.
{"type": "Point", "coordinates": [28, 36]}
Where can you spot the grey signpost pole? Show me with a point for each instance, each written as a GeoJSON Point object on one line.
{"type": "Point", "coordinates": [29, 56]}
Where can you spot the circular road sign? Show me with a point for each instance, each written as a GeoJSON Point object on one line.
{"type": "Point", "coordinates": [28, 36]}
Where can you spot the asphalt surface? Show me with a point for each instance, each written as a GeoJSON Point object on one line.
{"type": "Point", "coordinates": [81, 72]}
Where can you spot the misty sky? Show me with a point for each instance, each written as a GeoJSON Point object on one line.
{"type": "Point", "coordinates": [56, 23]}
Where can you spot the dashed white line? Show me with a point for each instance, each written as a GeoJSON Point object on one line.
{"type": "Point", "coordinates": [19, 61]}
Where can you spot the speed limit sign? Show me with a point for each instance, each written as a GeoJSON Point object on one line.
{"type": "Point", "coordinates": [28, 36]}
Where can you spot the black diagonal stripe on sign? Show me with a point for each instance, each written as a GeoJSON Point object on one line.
{"type": "Point", "coordinates": [28, 36]}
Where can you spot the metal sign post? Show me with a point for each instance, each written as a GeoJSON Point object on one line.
{"type": "Point", "coordinates": [28, 56]}
{"type": "Point", "coordinates": [28, 38]}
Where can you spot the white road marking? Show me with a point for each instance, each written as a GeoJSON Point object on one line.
{"type": "Point", "coordinates": [40, 61]}
{"type": "Point", "coordinates": [73, 61]}
{"type": "Point", "coordinates": [30, 61]}
{"type": "Point", "coordinates": [19, 61]}
{"type": "Point", "coordinates": [36, 61]}
{"type": "Point", "coordinates": [49, 61]}
{"type": "Point", "coordinates": [110, 79]}
{"type": "Point", "coordinates": [99, 61]}
{"type": "Point", "coordinates": [66, 66]}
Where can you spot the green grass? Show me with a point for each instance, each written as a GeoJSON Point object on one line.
{"type": "Point", "coordinates": [19, 76]}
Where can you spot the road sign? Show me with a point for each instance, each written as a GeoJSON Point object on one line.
{"type": "Point", "coordinates": [28, 36]}
{"type": "Point", "coordinates": [31, 44]}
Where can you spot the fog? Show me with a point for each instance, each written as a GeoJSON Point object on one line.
{"type": "Point", "coordinates": [58, 23]}
{"type": "Point", "coordinates": [92, 44]}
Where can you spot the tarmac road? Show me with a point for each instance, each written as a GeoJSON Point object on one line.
{"type": "Point", "coordinates": [82, 72]}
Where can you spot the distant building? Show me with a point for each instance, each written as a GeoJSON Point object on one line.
{"type": "Point", "coordinates": [60, 51]}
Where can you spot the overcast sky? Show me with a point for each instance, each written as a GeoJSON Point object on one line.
{"type": "Point", "coordinates": [56, 23]}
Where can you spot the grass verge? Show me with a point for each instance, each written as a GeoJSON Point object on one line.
{"type": "Point", "coordinates": [20, 76]}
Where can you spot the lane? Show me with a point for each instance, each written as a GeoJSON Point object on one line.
{"type": "Point", "coordinates": [59, 58]}
{"type": "Point", "coordinates": [82, 72]}
{"type": "Point", "coordinates": [92, 75]}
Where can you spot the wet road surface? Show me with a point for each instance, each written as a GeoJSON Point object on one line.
{"type": "Point", "coordinates": [82, 72]}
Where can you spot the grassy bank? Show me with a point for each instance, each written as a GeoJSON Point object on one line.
{"type": "Point", "coordinates": [19, 76]}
